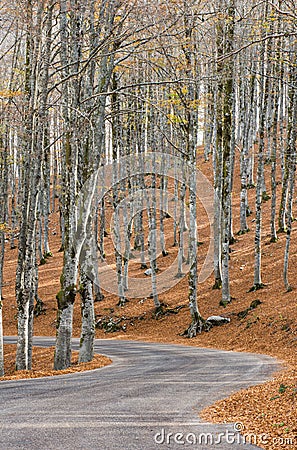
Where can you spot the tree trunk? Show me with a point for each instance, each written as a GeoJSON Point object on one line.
{"type": "Point", "coordinates": [2, 247]}
{"type": "Point", "coordinates": [26, 278]}
{"type": "Point", "coordinates": [291, 152]}
{"type": "Point", "coordinates": [263, 98]}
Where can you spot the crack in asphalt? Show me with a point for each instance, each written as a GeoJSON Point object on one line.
{"type": "Point", "coordinates": [148, 399]}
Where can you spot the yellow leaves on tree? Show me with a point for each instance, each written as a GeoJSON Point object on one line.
{"type": "Point", "coordinates": [4, 228]}
{"type": "Point", "coordinates": [7, 93]}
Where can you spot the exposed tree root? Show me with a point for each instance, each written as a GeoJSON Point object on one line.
{"type": "Point", "coordinates": [196, 327]}
{"type": "Point", "coordinates": [257, 287]}
{"type": "Point", "coordinates": [122, 302]}
{"type": "Point", "coordinates": [217, 284]}
{"type": "Point", "coordinates": [98, 297]}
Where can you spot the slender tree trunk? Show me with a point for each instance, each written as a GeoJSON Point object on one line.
{"type": "Point", "coordinates": [1, 342]}
{"type": "Point", "coordinates": [274, 144]}
{"type": "Point", "coordinates": [291, 163]}
{"type": "Point", "coordinates": [152, 241]}
{"type": "Point", "coordinates": [208, 122]}
{"type": "Point", "coordinates": [289, 221]}
{"type": "Point", "coordinates": [3, 225]}
{"type": "Point", "coordinates": [225, 137]}
{"type": "Point", "coordinates": [181, 255]}
{"type": "Point", "coordinates": [26, 278]}
{"type": "Point", "coordinates": [68, 280]}
{"type": "Point", "coordinates": [217, 168]}
{"type": "Point", "coordinates": [88, 265]}
{"type": "Point", "coordinates": [2, 249]}
{"type": "Point", "coordinates": [190, 130]}
{"type": "Point", "coordinates": [263, 98]}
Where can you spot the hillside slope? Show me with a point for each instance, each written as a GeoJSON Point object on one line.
{"type": "Point", "coordinates": [270, 327]}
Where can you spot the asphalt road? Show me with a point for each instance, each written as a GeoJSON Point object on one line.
{"type": "Point", "coordinates": [149, 398]}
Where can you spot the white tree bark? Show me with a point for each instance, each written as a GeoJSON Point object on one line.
{"type": "Point", "coordinates": [87, 267]}
{"type": "Point", "coordinates": [291, 156]}
{"type": "Point", "coordinates": [37, 92]}
{"type": "Point", "coordinates": [260, 169]}
{"type": "Point", "coordinates": [1, 304]}
{"type": "Point", "coordinates": [217, 168]}
{"type": "Point", "coordinates": [152, 241]}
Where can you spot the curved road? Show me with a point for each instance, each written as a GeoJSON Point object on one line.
{"type": "Point", "coordinates": [149, 398]}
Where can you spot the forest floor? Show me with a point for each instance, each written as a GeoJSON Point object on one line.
{"type": "Point", "coordinates": [42, 364]}
{"type": "Point", "coordinates": [267, 410]}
